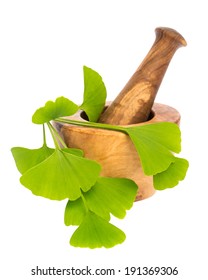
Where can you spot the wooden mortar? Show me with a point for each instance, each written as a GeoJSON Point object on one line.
{"type": "Point", "coordinates": [114, 150]}
{"type": "Point", "coordinates": [132, 107]}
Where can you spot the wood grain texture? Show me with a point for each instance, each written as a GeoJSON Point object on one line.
{"type": "Point", "coordinates": [114, 150]}
{"type": "Point", "coordinates": [134, 103]}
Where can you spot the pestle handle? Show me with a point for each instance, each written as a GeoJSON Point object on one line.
{"type": "Point", "coordinates": [135, 101]}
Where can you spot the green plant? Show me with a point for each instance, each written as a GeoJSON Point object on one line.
{"type": "Point", "coordinates": [64, 173]}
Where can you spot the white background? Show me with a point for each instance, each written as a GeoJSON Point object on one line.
{"type": "Point", "coordinates": [43, 46]}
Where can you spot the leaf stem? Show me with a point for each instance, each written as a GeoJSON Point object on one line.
{"type": "Point", "coordinates": [58, 136]}
{"type": "Point", "coordinates": [93, 125]}
{"type": "Point", "coordinates": [44, 135]}
{"type": "Point", "coordinates": [53, 136]}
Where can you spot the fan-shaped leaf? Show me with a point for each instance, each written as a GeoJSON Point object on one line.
{"type": "Point", "coordinates": [111, 195]}
{"type": "Point", "coordinates": [95, 232]}
{"type": "Point", "coordinates": [60, 108]}
{"type": "Point", "coordinates": [171, 177]}
{"type": "Point", "coordinates": [94, 94]}
{"type": "Point", "coordinates": [61, 176]}
{"type": "Point", "coordinates": [154, 143]}
{"type": "Point", "coordinates": [27, 158]}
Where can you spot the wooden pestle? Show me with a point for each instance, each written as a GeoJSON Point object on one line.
{"type": "Point", "coordinates": [135, 101]}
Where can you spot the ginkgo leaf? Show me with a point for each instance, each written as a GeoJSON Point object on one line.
{"type": "Point", "coordinates": [60, 108]}
{"type": "Point", "coordinates": [166, 133]}
{"type": "Point", "coordinates": [94, 94]}
{"type": "Point", "coordinates": [111, 195]}
{"type": "Point", "coordinates": [27, 158]}
{"type": "Point", "coordinates": [171, 177]}
{"type": "Point", "coordinates": [61, 176]}
{"type": "Point", "coordinates": [74, 212]}
{"type": "Point", "coordinates": [154, 143]}
{"type": "Point", "coordinates": [96, 232]}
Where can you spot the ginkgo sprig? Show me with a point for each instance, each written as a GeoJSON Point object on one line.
{"type": "Point", "coordinates": [64, 173]}
{"type": "Point", "coordinates": [61, 173]}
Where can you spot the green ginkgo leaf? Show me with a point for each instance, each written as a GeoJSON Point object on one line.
{"type": "Point", "coordinates": [94, 94]}
{"type": "Point", "coordinates": [155, 144]}
{"type": "Point", "coordinates": [74, 212]}
{"type": "Point", "coordinates": [61, 176]}
{"type": "Point", "coordinates": [60, 108]}
{"type": "Point", "coordinates": [111, 195]}
{"type": "Point", "coordinates": [96, 232]}
{"type": "Point", "coordinates": [27, 158]}
{"type": "Point", "coordinates": [171, 177]}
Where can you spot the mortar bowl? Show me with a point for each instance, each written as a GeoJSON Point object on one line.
{"type": "Point", "coordinates": [114, 150]}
